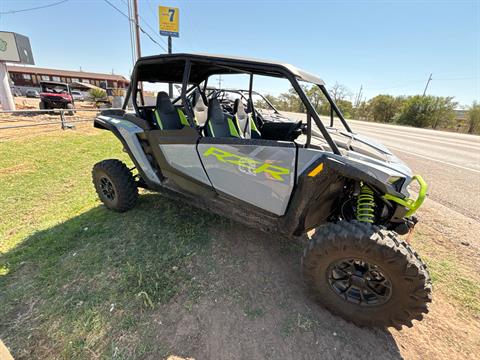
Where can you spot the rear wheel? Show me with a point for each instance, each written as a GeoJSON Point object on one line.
{"type": "Point", "coordinates": [42, 105]}
{"type": "Point", "coordinates": [367, 275]}
{"type": "Point", "coordinates": [115, 185]}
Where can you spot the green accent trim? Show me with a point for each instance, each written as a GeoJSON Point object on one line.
{"type": "Point", "coordinates": [159, 121]}
{"type": "Point", "coordinates": [211, 128]}
{"type": "Point", "coordinates": [411, 204]}
{"type": "Point", "coordinates": [232, 128]}
{"type": "Point", "coordinates": [238, 127]}
{"type": "Point", "coordinates": [253, 126]}
{"type": "Point", "coordinates": [183, 118]}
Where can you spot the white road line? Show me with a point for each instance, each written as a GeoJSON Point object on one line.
{"type": "Point", "coordinates": [440, 161]}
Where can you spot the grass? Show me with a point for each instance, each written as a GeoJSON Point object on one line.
{"type": "Point", "coordinates": [450, 277]}
{"type": "Point", "coordinates": [79, 281]}
{"type": "Point", "coordinates": [75, 278]}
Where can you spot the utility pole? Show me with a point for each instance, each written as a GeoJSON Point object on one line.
{"type": "Point", "coordinates": [137, 29]}
{"type": "Point", "coordinates": [170, 85]}
{"type": "Point", "coordinates": [137, 41]}
{"type": "Point", "coordinates": [428, 82]}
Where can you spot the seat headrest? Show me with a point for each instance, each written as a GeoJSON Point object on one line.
{"type": "Point", "coordinates": [198, 103]}
{"type": "Point", "coordinates": [164, 104]}
{"type": "Point", "coordinates": [239, 109]}
{"type": "Point", "coordinates": [215, 111]}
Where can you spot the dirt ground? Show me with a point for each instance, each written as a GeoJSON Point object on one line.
{"type": "Point", "coordinates": [248, 302]}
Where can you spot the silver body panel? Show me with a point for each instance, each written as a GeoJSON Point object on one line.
{"type": "Point", "coordinates": [260, 175]}
{"type": "Point", "coordinates": [184, 158]}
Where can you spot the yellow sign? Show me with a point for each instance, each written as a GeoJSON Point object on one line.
{"type": "Point", "coordinates": [168, 17]}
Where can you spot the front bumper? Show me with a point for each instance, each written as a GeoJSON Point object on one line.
{"type": "Point", "coordinates": [412, 205]}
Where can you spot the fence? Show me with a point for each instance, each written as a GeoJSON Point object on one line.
{"type": "Point", "coordinates": [65, 119]}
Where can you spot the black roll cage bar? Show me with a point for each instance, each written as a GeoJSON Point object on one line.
{"type": "Point", "coordinates": [133, 91]}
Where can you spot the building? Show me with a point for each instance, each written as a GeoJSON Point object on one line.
{"type": "Point", "coordinates": [30, 77]}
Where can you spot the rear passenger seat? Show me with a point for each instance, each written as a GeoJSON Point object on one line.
{"type": "Point", "coordinates": [218, 123]}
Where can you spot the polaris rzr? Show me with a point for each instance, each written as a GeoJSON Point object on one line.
{"type": "Point", "coordinates": [345, 194]}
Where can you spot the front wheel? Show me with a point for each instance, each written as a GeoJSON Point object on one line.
{"type": "Point", "coordinates": [115, 185]}
{"type": "Point", "coordinates": [367, 275]}
{"type": "Point", "coordinates": [70, 108]}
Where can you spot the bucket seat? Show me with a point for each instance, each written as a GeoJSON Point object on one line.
{"type": "Point", "coordinates": [244, 122]}
{"type": "Point", "coordinates": [167, 116]}
{"type": "Point", "coordinates": [218, 123]}
{"type": "Point", "coordinates": [200, 109]}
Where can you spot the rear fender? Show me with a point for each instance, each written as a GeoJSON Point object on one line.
{"type": "Point", "coordinates": [127, 132]}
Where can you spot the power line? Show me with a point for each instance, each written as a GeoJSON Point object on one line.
{"type": "Point", "coordinates": [149, 26]}
{"type": "Point", "coordinates": [131, 20]}
{"type": "Point", "coordinates": [34, 8]}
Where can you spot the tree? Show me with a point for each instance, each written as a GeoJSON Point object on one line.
{"type": "Point", "coordinates": [473, 118]}
{"type": "Point", "coordinates": [427, 111]}
{"type": "Point", "coordinates": [339, 92]}
{"type": "Point", "coordinates": [382, 108]}
{"type": "Point", "coordinates": [346, 107]}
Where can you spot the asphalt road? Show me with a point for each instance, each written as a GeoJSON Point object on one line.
{"type": "Point", "coordinates": [449, 162]}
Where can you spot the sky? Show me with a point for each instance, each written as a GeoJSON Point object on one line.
{"type": "Point", "coordinates": [387, 47]}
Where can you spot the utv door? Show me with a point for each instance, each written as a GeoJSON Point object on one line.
{"type": "Point", "coordinates": [258, 172]}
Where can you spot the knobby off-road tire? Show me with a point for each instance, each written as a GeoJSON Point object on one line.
{"type": "Point", "coordinates": [115, 185]}
{"type": "Point", "coordinates": [336, 249]}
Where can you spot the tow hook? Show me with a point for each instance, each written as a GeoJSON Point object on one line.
{"type": "Point", "coordinates": [407, 226]}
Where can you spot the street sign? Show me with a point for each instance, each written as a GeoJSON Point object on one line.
{"type": "Point", "coordinates": [15, 48]}
{"type": "Point", "coordinates": [168, 19]}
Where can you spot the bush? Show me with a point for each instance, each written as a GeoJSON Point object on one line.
{"type": "Point", "coordinates": [473, 118]}
{"type": "Point", "coordinates": [427, 111]}
{"type": "Point", "coordinates": [383, 108]}
{"type": "Point", "coordinates": [97, 94]}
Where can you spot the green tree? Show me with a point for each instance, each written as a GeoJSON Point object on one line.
{"type": "Point", "coordinates": [346, 107]}
{"type": "Point", "coordinates": [473, 118]}
{"type": "Point", "coordinates": [427, 111]}
{"type": "Point", "coordinates": [382, 108]}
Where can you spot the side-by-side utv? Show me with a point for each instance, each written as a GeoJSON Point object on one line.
{"type": "Point", "coordinates": [56, 95]}
{"type": "Point", "coordinates": [351, 194]}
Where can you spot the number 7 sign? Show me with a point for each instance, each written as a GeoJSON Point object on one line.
{"type": "Point", "coordinates": [168, 21]}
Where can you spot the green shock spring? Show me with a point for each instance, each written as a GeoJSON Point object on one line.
{"type": "Point", "coordinates": [365, 205]}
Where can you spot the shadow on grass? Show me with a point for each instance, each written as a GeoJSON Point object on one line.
{"type": "Point", "coordinates": [66, 279]}
{"type": "Point", "coordinates": [86, 286]}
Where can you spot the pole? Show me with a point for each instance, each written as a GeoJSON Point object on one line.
{"type": "Point", "coordinates": [428, 82]}
{"type": "Point", "coordinates": [170, 85]}
{"type": "Point", "coordinates": [137, 29]}
{"type": "Point", "coordinates": [5, 93]}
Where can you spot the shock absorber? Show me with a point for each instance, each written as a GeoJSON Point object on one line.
{"type": "Point", "coordinates": [365, 205]}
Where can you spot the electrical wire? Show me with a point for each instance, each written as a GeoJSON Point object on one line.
{"type": "Point", "coordinates": [132, 20]}
{"type": "Point", "coordinates": [148, 25]}
{"type": "Point", "coordinates": [34, 8]}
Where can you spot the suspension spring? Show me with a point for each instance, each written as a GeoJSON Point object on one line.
{"type": "Point", "coordinates": [365, 205]}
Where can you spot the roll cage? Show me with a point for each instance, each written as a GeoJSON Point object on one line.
{"type": "Point", "coordinates": [193, 71]}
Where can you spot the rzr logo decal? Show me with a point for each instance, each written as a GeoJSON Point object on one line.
{"type": "Point", "coordinates": [247, 164]}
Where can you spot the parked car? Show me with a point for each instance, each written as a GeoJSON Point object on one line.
{"type": "Point", "coordinates": [77, 95]}
{"type": "Point", "coordinates": [16, 92]}
{"type": "Point", "coordinates": [32, 93]}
